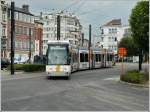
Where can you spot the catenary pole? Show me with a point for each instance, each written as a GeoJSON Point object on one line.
{"type": "Point", "coordinates": [58, 27]}
{"type": "Point", "coordinates": [12, 36]}
{"type": "Point", "coordinates": [89, 46]}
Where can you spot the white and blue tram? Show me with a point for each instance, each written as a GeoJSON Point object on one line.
{"type": "Point", "coordinates": [63, 58]}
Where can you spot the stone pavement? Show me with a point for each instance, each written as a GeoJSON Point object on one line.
{"type": "Point", "coordinates": [5, 75]}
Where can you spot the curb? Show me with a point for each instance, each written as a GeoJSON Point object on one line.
{"type": "Point", "coordinates": [132, 84]}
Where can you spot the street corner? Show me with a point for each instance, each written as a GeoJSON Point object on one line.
{"type": "Point", "coordinates": [146, 85]}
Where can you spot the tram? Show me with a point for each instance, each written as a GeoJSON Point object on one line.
{"type": "Point", "coordinates": [58, 59]}
{"type": "Point", "coordinates": [64, 58]}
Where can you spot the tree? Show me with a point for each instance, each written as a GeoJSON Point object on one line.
{"type": "Point", "coordinates": [127, 42]}
{"type": "Point", "coordinates": [139, 22]}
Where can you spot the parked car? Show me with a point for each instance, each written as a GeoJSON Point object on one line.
{"type": "Point", "coordinates": [4, 63]}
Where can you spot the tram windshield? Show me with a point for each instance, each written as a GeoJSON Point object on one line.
{"type": "Point", "coordinates": [58, 54]}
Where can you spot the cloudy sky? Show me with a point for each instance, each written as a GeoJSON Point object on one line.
{"type": "Point", "coordinates": [94, 12]}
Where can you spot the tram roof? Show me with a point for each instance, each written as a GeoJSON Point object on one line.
{"type": "Point", "coordinates": [58, 42]}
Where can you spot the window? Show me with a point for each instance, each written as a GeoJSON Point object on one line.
{"type": "Point", "coordinates": [3, 31]}
{"type": "Point", "coordinates": [98, 57]}
{"type": "Point", "coordinates": [86, 57]}
{"type": "Point", "coordinates": [109, 38]}
{"type": "Point", "coordinates": [102, 31]}
{"type": "Point", "coordinates": [47, 35]}
{"type": "Point", "coordinates": [47, 22]}
{"type": "Point", "coordinates": [83, 57]}
{"type": "Point", "coordinates": [115, 38]}
{"type": "Point", "coordinates": [109, 30]}
{"type": "Point", "coordinates": [25, 30]}
{"type": "Point", "coordinates": [4, 17]}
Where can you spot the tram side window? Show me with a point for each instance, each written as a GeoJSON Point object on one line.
{"type": "Point", "coordinates": [111, 57]}
{"type": "Point", "coordinates": [97, 58]}
{"type": "Point", "coordinates": [81, 57]}
{"type": "Point", "coordinates": [86, 58]}
{"type": "Point", "coordinates": [100, 57]}
{"type": "Point", "coordinates": [107, 57]}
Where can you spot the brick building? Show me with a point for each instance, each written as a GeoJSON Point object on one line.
{"type": "Point", "coordinates": [28, 34]}
{"type": "Point", "coordinates": [24, 29]}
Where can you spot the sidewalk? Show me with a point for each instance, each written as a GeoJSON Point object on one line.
{"type": "Point", "coordinates": [5, 75]}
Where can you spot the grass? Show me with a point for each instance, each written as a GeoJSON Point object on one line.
{"type": "Point", "coordinates": [134, 76]}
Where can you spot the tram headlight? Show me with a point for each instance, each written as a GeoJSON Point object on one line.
{"type": "Point", "coordinates": [65, 69]}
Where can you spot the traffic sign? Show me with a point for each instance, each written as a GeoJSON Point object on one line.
{"type": "Point", "coordinates": [122, 52]}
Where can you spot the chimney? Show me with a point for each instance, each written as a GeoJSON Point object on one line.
{"type": "Point", "coordinates": [25, 8]}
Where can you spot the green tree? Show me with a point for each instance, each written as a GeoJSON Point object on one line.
{"type": "Point", "coordinates": [127, 42]}
{"type": "Point", "coordinates": [139, 22]}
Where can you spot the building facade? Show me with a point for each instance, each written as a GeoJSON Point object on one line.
{"type": "Point", "coordinates": [24, 33]}
{"type": "Point", "coordinates": [85, 43]}
{"type": "Point", "coordinates": [28, 33]}
{"type": "Point", "coordinates": [3, 29]}
{"type": "Point", "coordinates": [124, 32]}
{"type": "Point", "coordinates": [70, 28]}
{"type": "Point", "coordinates": [38, 38]}
{"type": "Point", "coordinates": [110, 35]}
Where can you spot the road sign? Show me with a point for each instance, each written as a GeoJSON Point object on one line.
{"type": "Point", "coordinates": [122, 52]}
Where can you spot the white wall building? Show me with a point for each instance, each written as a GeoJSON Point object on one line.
{"type": "Point", "coordinates": [110, 33]}
{"type": "Point", "coordinates": [0, 19]}
{"type": "Point", "coordinates": [124, 32]}
{"type": "Point", "coordinates": [70, 28]}
{"type": "Point", "coordinates": [3, 26]}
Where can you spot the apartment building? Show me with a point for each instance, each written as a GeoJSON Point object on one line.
{"type": "Point", "coordinates": [70, 28]}
{"type": "Point", "coordinates": [110, 35]}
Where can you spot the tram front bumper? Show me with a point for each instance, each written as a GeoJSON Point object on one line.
{"type": "Point", "coordinates": [58, 73]}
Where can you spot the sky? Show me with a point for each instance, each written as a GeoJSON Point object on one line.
{"type": "Point", "coordinates": [94, 12]}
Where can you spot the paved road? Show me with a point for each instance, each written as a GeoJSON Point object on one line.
{"type": "Point", "coordinates": [90, 90]}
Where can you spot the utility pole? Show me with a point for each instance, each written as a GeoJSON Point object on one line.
{"type": "Point", "coordinates": [29, 45]}
{"type": "Point", "coordinates": [90, 46]}
{"type": "Point", "coordinates": [58, 27]}
{"type": "Point", "coordinates": [82, 39]}
{"type": "Point", "coordinates": [12, 36]}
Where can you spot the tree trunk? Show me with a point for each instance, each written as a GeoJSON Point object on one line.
{"type": "Point", "coordinates": [140, 59]}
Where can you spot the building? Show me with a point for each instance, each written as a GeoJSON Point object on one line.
{"type": "Point", "coordinates": [70, 28]}
{"type": "Point", "coordinates": [28, 34]}
{"type": "Point", "coordinates": [3, 27]}
{"type": "Point", "coordinates": [124, 32]}
{"type": "Point", "coordinates": [24, 33]}
{"type": "Point", "coordinates": [85, 43]}
{"type": "Point", "coordinates": [110, 34]}
{"type": "Point", "coordinates": [38, 38]}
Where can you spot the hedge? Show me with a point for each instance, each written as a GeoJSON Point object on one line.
{"type": "Point", "coordinates": [135, 77]}
{"type": "Point", "coordinates": [28, 67]}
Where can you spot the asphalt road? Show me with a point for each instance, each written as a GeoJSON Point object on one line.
{"type": "Point", "coordinates": [91, 90]}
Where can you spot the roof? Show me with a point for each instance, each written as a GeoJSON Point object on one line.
{"type": "Point", "coordinates": [114, 22]}
{"type": "Point", "coordinates": [58, 42]}
{"type": "Point", "coordinates": [21, 10]}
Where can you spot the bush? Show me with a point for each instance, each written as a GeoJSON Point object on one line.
{"type": "Point", "coordinates": [134, 77]}
{"type": "Point", "coordinates": [28, 67]}
{"type": "Point", "coordinates": [34, 67]}
{"type": "Point", "coordinates": [16, 67]}
{"type": "Point", "coordinates": [133, 71]}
